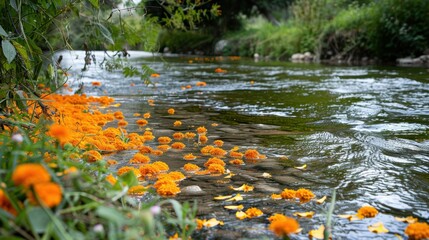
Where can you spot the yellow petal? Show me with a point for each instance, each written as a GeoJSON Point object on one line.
{"type": "Point", "coordinates": [212, 222]}
{"type": "Point", "coordinates": [237, 197]}
{"type": "Point", "coordinates": [222, 197]}
{"type": "Point", "coordinates": [116, 105]}
{"type": "Point", "coordinates": [398, 236]}
{"type": "Point", "coordinates": [350, 217]}
{"type": "Point", "coordinates": [266, 175]}
{"type": "Point", "coordinates": [408, 219]}
{"type": "Point", "coordinates": [318, 233]}
{"type": "Point", "coordinates": [304, 214]}
{"type": "Point", "coordinates": [136, 114]}
{"type": "Point", "coordinates": [241, 215]}
{"type": "Point", "coordinates": [234, 207]}
{"type": "Point", "coordinates": [302, 167]}
{"type": "Point", "coordinates": [229, 175]}
{"type": "Point", "coordinates": [377, 228]}
{"type": "Point", "coordinates": [244, 187]}
{"type": "Point", "coordinates": [320, 201]}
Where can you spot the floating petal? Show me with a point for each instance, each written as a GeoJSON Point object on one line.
{"type": "Point", "coordinates": [212, 222]}
{"type": "Point", "coordinates": [244, 187]}
{"type": "Point", "coordinates": [377, 228]}
{"type": "Point", "coordinates": [303, 167]}
{"type": "Point", "coordinates": [318, 233]}
{"type": "Point", "coordinates": [237, 197]}
{"type": "Point", "coordinates": [222, 197]}
{"type": "Point", "coordinates": [322, 200]}
{"type": "Point", "coordinates": [350, 217]}
{"type": "Point", "coordinates": [234, 207]}
{"type": "Point", "coordinates": [241, 215]}
{"type": "Point", "coordinates": [408, 219]}
{"type": "Point", "coordinates": [304, 214]}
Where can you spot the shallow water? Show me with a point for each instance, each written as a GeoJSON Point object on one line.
{"type": "Point", "coordinates": [360, 130]}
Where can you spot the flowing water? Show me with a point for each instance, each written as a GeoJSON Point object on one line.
{"type": "Point", "coordinates": [361, 130]}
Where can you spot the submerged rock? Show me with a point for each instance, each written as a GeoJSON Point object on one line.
{"type": "Point", "coordinates": [192, 190]}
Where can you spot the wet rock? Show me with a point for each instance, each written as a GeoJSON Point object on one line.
{"type": "Point", "coordinates": [226, 235]}
{"type": "Point", "coordinates": [192, 190]}
{"type": "Point", "coordinates": [288, 180]}
{"type": "Point", "coordinates": [264, 126]}
{"type": "Point", "coordinates": [244, 178]}
{"type": "Point", "coordinates": [229, 130]}
{"type": "Point", "coordinates": [267, 165]}
{"type": "Point", "coordinates": [220, 47]}
{"type": "Point", "coordinates": [262, 187]}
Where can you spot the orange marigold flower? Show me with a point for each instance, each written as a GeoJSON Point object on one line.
{"type": "Point", "coordinates": [178, 145]}
{"type": "Point", "coordinates": [201, 84]}
{"type": "Point", "coordinates": [139, 158]}
{"type": "Point", "coordinates": [218, 143]}
{"type": "Point", "coordinates": [97, 84]}
{"type": "Point", "coordinates": [142, 122]}
{"type": "Point", "coordinates": [214, 160]}
{"type": "Point", "coordinates": [203, 139]}
{"type": "Point", "coordinates": [177, 123]}
{"type": "Point", "coordinates": [157, 152]}
{"type": "Point", "coordinates": [251, 154]}
{"type": "Point", "coordinates": [59, 132]}
{"type": "Point", "coordinates": [145, 149]}
{"type": "Point", "coordinates": [190, 135]}
{"type": "Point", "coordinates": [219, 152]}
{"type": "Point", "coordinates": [122, 123]}
{"type": "Point", "coordinates": [164, 140]}
{"type": "Point", "coordinates": [276, 196]}
{"type": "Point", "coordinates": [149, 170]}
{"type": "Point", "coordinates": [201, 130]}
{"type": "Point", "coordinates": [220, 70]}
{"type": "Point", "coordinates": [176, 176]}
{"type": "Point", "coordinates": [284, 226]}
{"type": "Point", "coordinates": [170, 111]}
{"type": "Point", "coordinates": [178, 135]}
{"type": "Point", "coordinates": [304, 195]}
{"type": "Point", "coordinates": [71, 170]}
{"type": "Point", "coordinates": [191, 167]}
{"type": "Point", "coordinates": [168, 190]}
{"type": "Point", "coordinates": [216, 168]}
{"type": "Point", "coordinates": [206, 150]}
{"type": "Point", "coordinates": [146, 115]}
{"type": "Point", "coordinates": [163, 147]}
{"type": "Point", "coordinates": [237, 162]}
{"type": "Point", "coordinates": [151, 102]}
{"type": "Point", "coordinates": [288, 194]}
{"type": "Point", "coordinates": [417, 231]}
{"type": "Point", "coordinates": [137, 190]}
{"type": "Point", "coordinates": [5, 203]}
{"type": "Point", "coordinates": [111, 179]}
{"type": "Point", "coordinates": [161, 165]}
{"type": "Point", "coordinates": [253, 212]}
{"type": "Point", "coordinates": [164, 180]}
{"type": "Point", "coordinates": [49, 194]}
{"type": "Point", "coordinates": [189, 156]}
{"type": "Point", "coordinates": [92, 156]}
{"type": "Point", "coordinates": [155, 75]}
{"type": "Point", "coordinates": [367, 212]}
{"type": "Point", "coordinates": [28, 174]}
{"type": "Point", "coordinates": [121, 171]}
{"type": "Point", "coordinates": [118, 115]}
{"type": "Point", "coordinates": [199, 223]}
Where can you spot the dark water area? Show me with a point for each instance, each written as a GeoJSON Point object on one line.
{"type": "Point", "coordinates": [360, 130]}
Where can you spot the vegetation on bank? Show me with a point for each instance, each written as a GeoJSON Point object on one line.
{"type": "Point", "coordinates": [333, 30]}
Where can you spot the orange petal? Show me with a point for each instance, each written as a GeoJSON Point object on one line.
{"type": "Point", "coordinates": [304, 214]}
{"type": "Point", "coordinates": [408, 219]}
{"type": "Point", "coordinates": [234, 207]}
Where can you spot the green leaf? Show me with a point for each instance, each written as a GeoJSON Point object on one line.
{"type": "Point", "coordinates": [24, 55]}
{"type": "Point", "coordinates": [8, 50]}
{"type": "Point", "coordinates": [111, 214]}
{"type": "Point", "coordinates": [129, 178]}
{"type": "Point", "coordinates": [39, 219]}
{"type": "Point", "coordinates": [2, 31]}
{"type": "Point", "coordinates": [106, 33]}
{"type": "Point", "coordinates": [94, 3]}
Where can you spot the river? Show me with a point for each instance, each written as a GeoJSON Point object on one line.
{"type": "Point", "coordinates": [362, 130]}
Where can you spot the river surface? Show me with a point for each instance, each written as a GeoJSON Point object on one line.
{"type": "Point", "coordinates": [360, 130]}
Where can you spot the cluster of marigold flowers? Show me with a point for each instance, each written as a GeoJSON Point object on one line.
{"type": "Point", "coordinates": [36, 184]}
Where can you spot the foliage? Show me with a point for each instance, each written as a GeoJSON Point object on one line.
{"type": "Point", "coordinates": [184, 42]}
{"type": "Point", "coordinates": [91, 207]}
